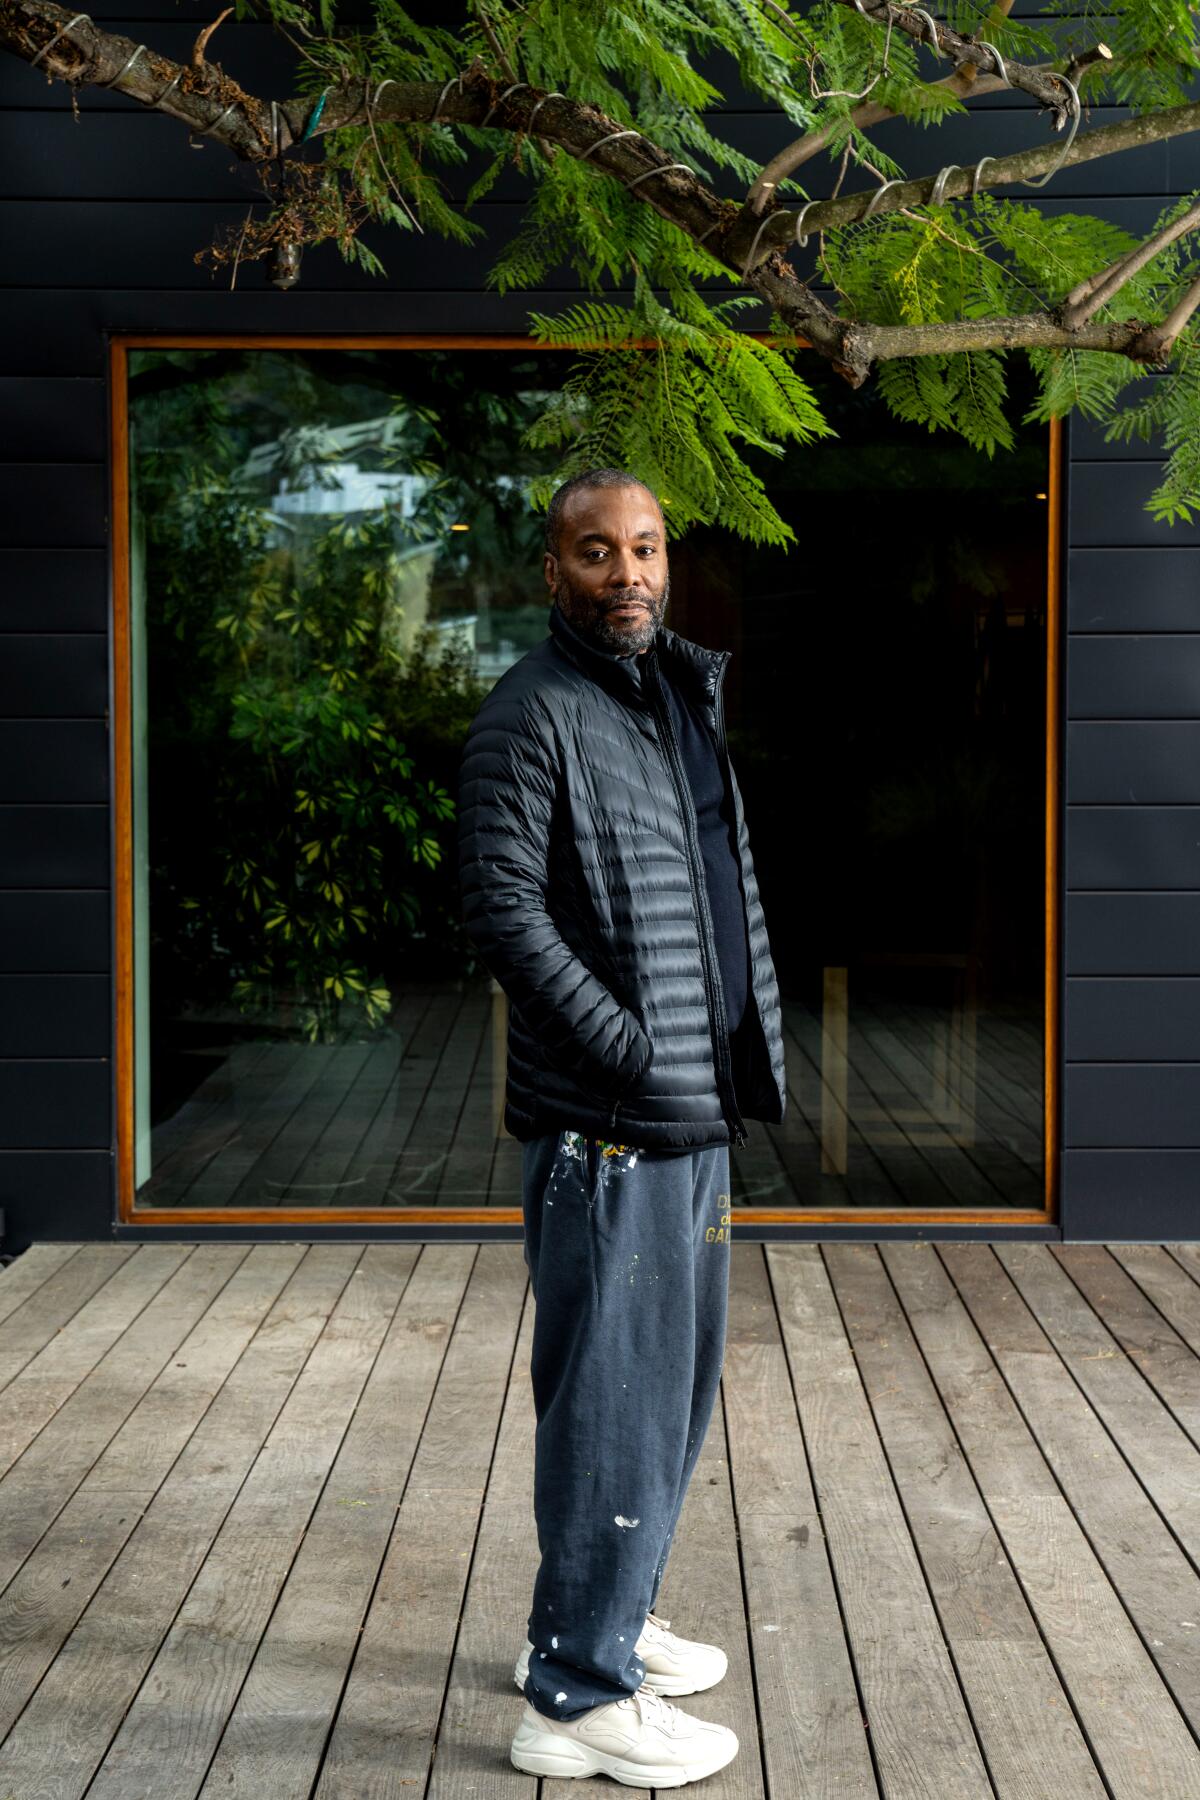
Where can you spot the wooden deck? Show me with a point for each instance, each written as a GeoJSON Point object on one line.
{"type": "Point", "coordinates": [889, 1108]}
{"type": "Point", "coordinates": [266, 1528]}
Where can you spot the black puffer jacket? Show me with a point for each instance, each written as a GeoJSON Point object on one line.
{"type": "Point", "coordinates": [583, 893]}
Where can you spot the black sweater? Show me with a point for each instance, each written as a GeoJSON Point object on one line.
{"type": "Point", "coordinates": [718, 846]}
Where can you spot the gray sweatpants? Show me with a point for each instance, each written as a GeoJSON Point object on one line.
{"type": "Point", "coordinates": [628, 1255]}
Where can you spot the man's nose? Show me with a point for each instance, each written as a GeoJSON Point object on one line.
{"type": "Point", "coordinates": [625, 570]}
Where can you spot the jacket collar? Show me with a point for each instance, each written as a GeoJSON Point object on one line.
{"type": "Point", "coordinates": [694, 667]}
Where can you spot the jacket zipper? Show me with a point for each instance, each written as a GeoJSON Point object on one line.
{"type": "Point", "coordinates": [717, 1020]}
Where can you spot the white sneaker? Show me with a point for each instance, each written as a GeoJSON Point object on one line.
{"type": "Point", "coordinates": [672, 1665]}
{"type": "Point", "coordinates": [641, 1740]}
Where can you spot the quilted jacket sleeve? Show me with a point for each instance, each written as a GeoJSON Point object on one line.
{"type": "Point", "coordinates": [507, 782]}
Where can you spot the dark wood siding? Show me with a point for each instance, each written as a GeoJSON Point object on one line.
{"type": "Point", "coordinates": [102, 216]}
{"type": "Point", "coordinates": [1131, 1086]}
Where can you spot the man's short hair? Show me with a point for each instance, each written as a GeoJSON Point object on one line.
{"type": "Point", "coordinates": [591, 478]}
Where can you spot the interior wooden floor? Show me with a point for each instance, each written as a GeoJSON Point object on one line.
{"type": "Point", "coordinates": [892, 1107]}
{"type": "Point", "coordinates": [266, 1523]}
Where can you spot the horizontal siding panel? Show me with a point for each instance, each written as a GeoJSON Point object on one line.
{"type": "Point", "coordinates": [1133, 590]}
{"type": "Point", "coordinates": [51, 417]}
{"type": "Point", "coordinates": [62, 1195]}
{"type": "Point", "coordinates": [46, 677]}
{"type": "Point", "coordinates": [152, 244]}
{"type": "Point", "coordinates": [1107, 505]}
{"type": "Point", "coordinates": [1183, 158]}
{"type": "Point", "coordinates": [55, 1105]}
{"type": "Point", "coordinates": [1132, 1020]}
{"type": "Point", "coordinates": [131, 154]}
{"type": "Point", "coordinates": [1127, 677]}
{"type": "Point", "coordinates": [1134, 762]}
{"type": "Point", "coordinates": [1135, 1106]}
{"type": "Point", "coordinates": [1133, 847]}
{"type": "Point", "coordinates": [54, 846]}
{"type": "Point", "coordinates": [53, 590]}
{"type": "Point", "coordinates": [62, 505]}
{"type": "Point", "coordinates": [60, 331]}
{"type": "Point", "coordinates": [60, 761]}
{"type": "Point", "coordinates": [63, 931]}
{"type": "Point", "coordinates": [1086, 441]}
{"type": "Point", "coordinates": [1139, 1196]}
{"type": "Point", "coordinates": [54, 1015]}
{"type": "Point", "coordinates": [1132, 934]}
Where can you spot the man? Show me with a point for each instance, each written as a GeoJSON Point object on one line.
{"type": "Point", "coordinates": [608, 886]}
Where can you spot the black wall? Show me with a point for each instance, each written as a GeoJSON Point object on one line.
{"type": "Point", "coordinates": [100, 218]}
{"type": "Point", "coordinates": [1132, 963]}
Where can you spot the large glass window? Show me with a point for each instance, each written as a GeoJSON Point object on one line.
{"type": "Point", "coordinates": [332, 557]}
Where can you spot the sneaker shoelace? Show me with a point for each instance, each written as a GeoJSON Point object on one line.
{"type": "Point", "coordinates": [652, 1709]}
{"type": "Point", "coordinates": [662, 1630]}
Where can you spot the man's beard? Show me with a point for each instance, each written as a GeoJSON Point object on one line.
{"type": "Point", "coordinates": [588, 613]}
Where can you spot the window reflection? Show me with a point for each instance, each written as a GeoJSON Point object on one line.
{"type": "Point", "coordinates": [333, 556]}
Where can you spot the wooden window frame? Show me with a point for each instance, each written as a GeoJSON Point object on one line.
{"type": "Point", "coordinates": [128, 1213]}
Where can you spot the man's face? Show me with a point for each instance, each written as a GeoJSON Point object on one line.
{"type": "Point", "coordinates": [610, 575]}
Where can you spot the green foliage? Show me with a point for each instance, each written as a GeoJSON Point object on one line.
{"type": "Point", "coordinates": [290, 820]}
{"type": "Point", "coordinates": [685, 415]}
{"type": "Point", "coordinates": [1172, 409]}
{"type": "Point", "coordinates": [674, 413]}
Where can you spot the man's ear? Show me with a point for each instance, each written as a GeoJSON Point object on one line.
{"type": "Point", "coordinates": [550, 570]}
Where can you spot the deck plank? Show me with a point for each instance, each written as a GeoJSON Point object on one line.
{"type": "Point", "coordinates": [30, 1271]}
{"type": "Point", "coordinates": [464, 1177]}
{"type": "Point", "coordinates": [43, 1478]}
{"type": "Point", "coordinates": [436, 1365]}
{"type": "Point", "coordinates": [381, 1148]}
{"type": "Point", "coordinates": [1001, 1151]}
{"type": "Point", "coordinates": [437, 1121]}
{"type": "Point", "coordinates": [1171, 1290]}
{"type": "Point", "coordinates": [50, 1378]}
{"type": "Point", "coordinates": [205, 1120]}
{"type": "Point", "coordinates": [895, 1115]}
{"type": "Point", "coordinates": [482, 1703]}
{"type": "Point", "coordinates": [59, 1742]}
{"type": "Point", "coordinates": [1069, 1514]}
{"type": "Point", "coordinates": [814, 1742]}
{"type": "Point", "coordinates": [328, 1176]}
{"type": "Point", "coordinates": [1164, 1358]}
{"type": "Point", "coordinates": [865, 1181]}
{"type": "Point", "coordinates": [1032, 1743]}
{"type": "Point", "coordinates": [269, 1525]}
{"type": "Point", "coordinates": [383, 1738]}
{"type": "Point", "coordinates": [167, 1738]}
{"type": "Point", "coordinates": [921, 1734]}
{"type": "Point", "coordinates": [204, 1167]}
{"type": "Point", "coordinates": [702, 1596]}
{"type": "Point", "coordinates": [30, 1326]}
{"type": "Point", "coordinates": [64, 1564]}
{"type": "Point", "coordinates": [1157, 1449]}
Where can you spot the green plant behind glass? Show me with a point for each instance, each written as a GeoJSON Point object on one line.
{"type": "Point", "coordinates": [289, 824]}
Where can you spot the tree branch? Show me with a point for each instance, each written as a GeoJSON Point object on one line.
{"type": "Point", "coordinates": [1090, 295]}
{"type": "Point", "coordinates": [870, 112]}
{"type": "Point", "coordinates": [970, 60]}
{"type": "Point", "coordinates": [213, 104]}
{"type": "Point", "coordinates": [965, 82]}
{"type": "Point", "coordinates": [751, 241]}
{"type": "Point", "coordinates": [1157, 341]}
